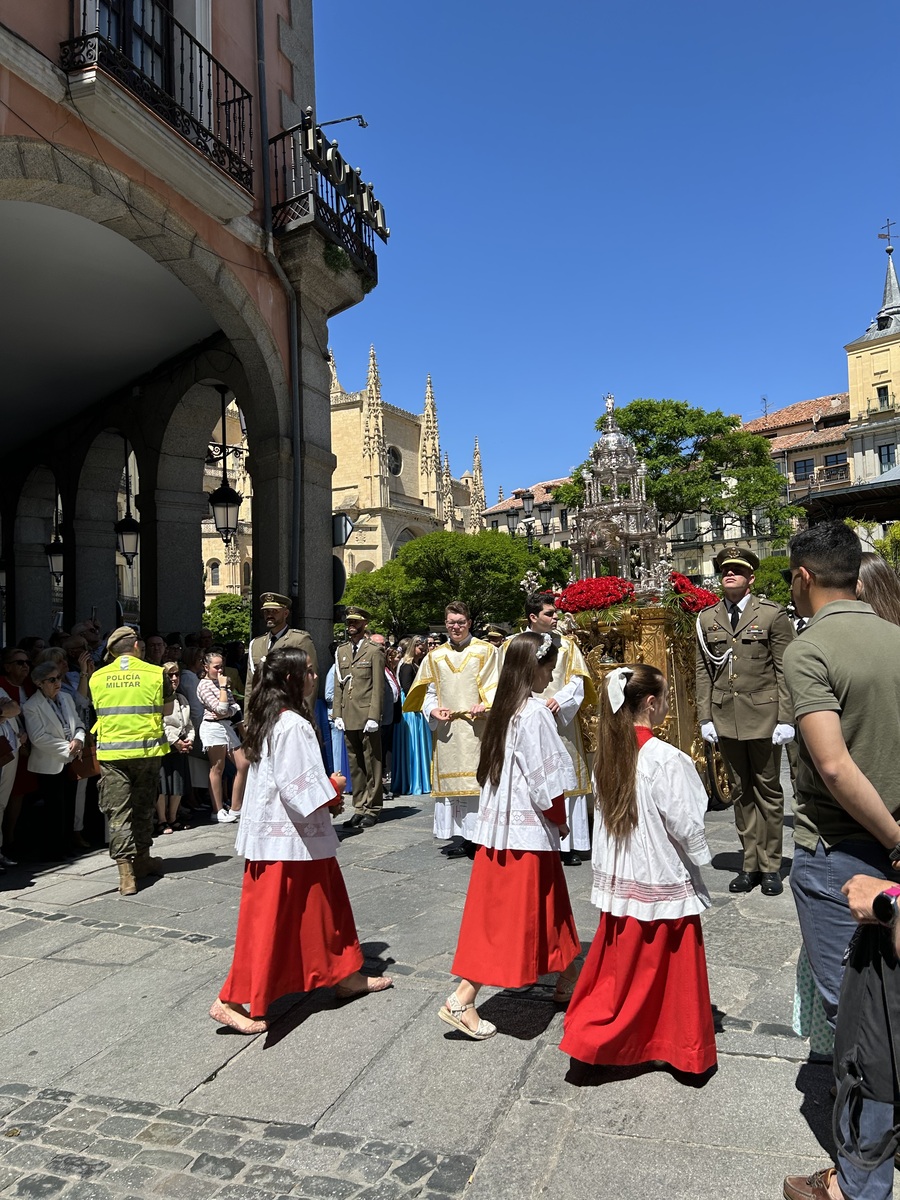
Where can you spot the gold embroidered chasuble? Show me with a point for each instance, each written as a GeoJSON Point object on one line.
{"type": "Point", "coordinates": [461, 678]}
{"type": "Point", "coordinates": [570, 665]}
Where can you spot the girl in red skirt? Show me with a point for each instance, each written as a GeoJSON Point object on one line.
{"type": "Point", "coordinates": [517, 922]}
{"type": "Point", "coordinates": [295, 926]}
{"type": "Point", "coordinates": [643, 994]}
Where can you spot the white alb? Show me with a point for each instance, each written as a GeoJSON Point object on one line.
{"type": "Point", "coordinates": [285, 817]}
{"type": "Point", "coordinates": [536, 769]}
{"type": "Point", "coordinates": [653, 873]}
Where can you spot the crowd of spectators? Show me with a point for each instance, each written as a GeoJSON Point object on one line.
{"type": "Point", "coordinates": [48, 768]}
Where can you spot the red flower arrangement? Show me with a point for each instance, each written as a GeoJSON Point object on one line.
{"type": "Point", "coordinates": [604, 592]}
{"type": "Point", "coordinates": [691, 599]}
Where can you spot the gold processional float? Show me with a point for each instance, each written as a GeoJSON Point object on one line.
{"type": "Point", "coordinates": [628, 606]}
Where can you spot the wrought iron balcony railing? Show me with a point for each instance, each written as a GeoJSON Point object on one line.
{"type": "Point", "coordinates": [837, 474]}
{"type": "Point", "coordinates": [141, 45]}
{"type": "Point", "coordinates": [303, 195]}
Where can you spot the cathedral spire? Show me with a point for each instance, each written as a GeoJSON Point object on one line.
{"type": "Point", "coordinates": [430, 455]}
{"type": "Point", "coordinates": [890, 304]}
{"type": "Point", "coordinates": [477, 503]}
{"type": "Point", "coordinates": [447, 493]}
{"type": "Point", "coordinates": [374, 447]}
{"type": "Point", "coordinates": [336, 390]}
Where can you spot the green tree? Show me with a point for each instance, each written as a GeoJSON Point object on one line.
{"type": "Point", "coordinates": [484, 570]}
{"type": "Point", "coordinates": [889, 546]}
{"type": "Point", "coordinates": [699, 461]}
{"type": "Point", "coordinates": [769, 581]}
{"type": "Point", "coordinates": [228, 616]}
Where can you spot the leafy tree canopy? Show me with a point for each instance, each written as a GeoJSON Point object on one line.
{"type": "Point", "coordinates": [228, 616]}
{"type": "Point", "coordinates": [484, 570]}
{"type": "Point", "coordinates": [769, 581]}
{"type": "Point", "coordinates": [889, 546]}
{"type": "Point", "coordinates": [699, 461]}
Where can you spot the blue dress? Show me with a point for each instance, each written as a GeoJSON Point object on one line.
{"type": "Point", "coordinates": [411, 769]}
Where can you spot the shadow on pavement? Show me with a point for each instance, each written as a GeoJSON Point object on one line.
{"type": "Point", "coordinates": [582, 1074]}
{"type": "Point", "coordinates": [814, 1082]}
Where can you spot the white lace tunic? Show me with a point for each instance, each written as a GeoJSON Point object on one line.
{"type": "Point", "coordinates": [536, 769]}
{"type": "Point", "coordinates": [284, 818]}
{"type": "Point", "coordinates": [653, 873]}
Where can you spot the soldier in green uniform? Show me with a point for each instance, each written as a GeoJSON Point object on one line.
{"type": "Point", "coordinates": [276, 612]}
{"type": "Point", "coordinates": [127, 695]}
{"type": "Point", "coordinates": [743, 704]}
{"type": "Point", "coordinates": [358, 698]}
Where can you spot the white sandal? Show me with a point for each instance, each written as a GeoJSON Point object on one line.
{"type": "Point", "coordinates": [452, 1012]}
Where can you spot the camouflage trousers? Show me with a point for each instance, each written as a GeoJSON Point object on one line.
{"type": "Point", "coordinates": [128, 791]}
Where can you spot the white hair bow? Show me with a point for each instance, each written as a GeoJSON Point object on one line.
{"type": "Point", "coordinates": [544, 648]}
{"type": "Point", "coordinates": [615, 686]}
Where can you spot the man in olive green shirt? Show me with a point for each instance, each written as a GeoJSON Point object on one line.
{"type": "Point", "coordinates": [844, 678]}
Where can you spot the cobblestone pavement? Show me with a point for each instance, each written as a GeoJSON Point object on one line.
{"type": "Point", "coordinates": [114, 1083]}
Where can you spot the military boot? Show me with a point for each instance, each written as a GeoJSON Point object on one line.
{"type": "Point", "coordinates": [145, 865]}
{"type": "Point", "coordinates": [127, 885]}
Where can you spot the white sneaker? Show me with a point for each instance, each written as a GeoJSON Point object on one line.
{"type": "Point", "coordinates": [226, 816]}
{"type": "Point", "coordinates": [6, 862]}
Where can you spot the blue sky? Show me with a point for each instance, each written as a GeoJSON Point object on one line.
{"type": "Point", "coordinates": [658, 200]}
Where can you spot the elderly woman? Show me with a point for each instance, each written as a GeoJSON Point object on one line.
{"type": "Point", "coordinates": [56, 733]}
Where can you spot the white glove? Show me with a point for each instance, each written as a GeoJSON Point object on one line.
{"type": "Point", "coordinates": [708, 732]}
{"type": "Point", "coordinates": [782, 735]}
{"type": "Point", "coordinates": [339, 723]}
{"type": "Point", "coordinates": [373, 727]}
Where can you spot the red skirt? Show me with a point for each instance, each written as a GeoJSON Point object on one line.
{"type": "Point", "coordinates": [295, 932]}
{"type": "Point", "coordinates": [643, 995]}
{"type": "Point", "coordinates": [517, 922]}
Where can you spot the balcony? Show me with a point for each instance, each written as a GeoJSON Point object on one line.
{"type": "Point", "coordinates": [141, 49]}
{"type": "Point", "coordinates": [312, 185]}
{"type": "Point", "coordinates": [838, 474]}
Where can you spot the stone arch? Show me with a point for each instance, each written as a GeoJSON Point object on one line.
{"type": "Point", "coordinates": [364, 567]}
{"type": "Point", "coordinates": [405, 536]}
{"type": "Point", "coordinates": [34, 591]}
{"type": "Point", "coordinates": [72, 181]}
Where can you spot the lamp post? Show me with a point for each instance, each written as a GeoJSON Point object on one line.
{"type": "Point", "coordinates": [546, 513]}
{"type": "Point", "coordinates": [54, 549]}
{"type": "Point", "coordinates": [128, 530]}
{"type": "Point", "coordinates": [225, 502]}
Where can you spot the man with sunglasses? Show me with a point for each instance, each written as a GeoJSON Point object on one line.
{"type": "Point", "coordinates": [743, 705]}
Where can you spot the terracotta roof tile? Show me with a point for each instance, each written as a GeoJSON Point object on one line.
{"type": "Point", "coordinates": [542, 491]}
{"type": "Point", "coordinates": [804, 410]}
{"type": "Point", "coordinates": [803, 438]}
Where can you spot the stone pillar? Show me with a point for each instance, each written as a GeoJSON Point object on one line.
{"type": "Point", "coordinates": [270, 468]}
{"type": "Point", "coordinates": [179, 559]}
{"type": "Point", "coordinates": [33, 582]}
{"type": "Point", "coordinates": [95, 568]}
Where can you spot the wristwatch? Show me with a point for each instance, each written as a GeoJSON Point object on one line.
{"type": "Point", "coordinates": [884, 906]}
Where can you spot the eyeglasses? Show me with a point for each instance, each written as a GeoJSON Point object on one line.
{"type": "Point", "coordinates": [174, 673]}
{"type": "Point", "coordinates": [18, 662]}
{"type": "Point", "coordinates": [51, 679]}
{"type": "Point", "coordinates": [455, 624]}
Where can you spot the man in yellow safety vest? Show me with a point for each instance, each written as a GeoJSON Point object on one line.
{"type": "Point", "coordinates": [127, 695]}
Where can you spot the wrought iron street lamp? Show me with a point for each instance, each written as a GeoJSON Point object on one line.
{"type": "Point", "coordinates": [512, 520]}
{"type": "Point", "coordinates": [128, 530]}
{"type": "Point", "coordinates": [528, 502]}
{"type": "Point", "coordinates": [225, 502]}
{"type": "Point", "coordinates": [546, 512]}
{"type": "Point", "coordinates": [54, 549]}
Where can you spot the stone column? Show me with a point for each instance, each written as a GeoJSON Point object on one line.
{"type": "Point", "coordinates": [33, 582]}
{"type": "Point", "coordinates": [95, 568]}
{"type": "Point", "coordinates": [179, 559]}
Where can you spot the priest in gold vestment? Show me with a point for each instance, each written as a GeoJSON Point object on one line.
{"type": "Point", "coordinates": [454, 688]}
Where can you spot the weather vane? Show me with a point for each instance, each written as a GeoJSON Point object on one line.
{"type": "Point", "coordinates": [887, 236]}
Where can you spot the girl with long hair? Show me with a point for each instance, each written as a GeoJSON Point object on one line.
{"type": "Point", "coordinates": [879, 586]}
{"type": "Point", "coordinates": [517, 921]}
{"type": "Point", "coordinates": [643, 994]}
{"type": "Point", "coordinates": [295, 927]}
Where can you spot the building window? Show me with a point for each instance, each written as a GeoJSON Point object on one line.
{"type": "Point", "coordinates": [143, 31]}
{"type": "Point", "coordinates": [564, 518]}
{"type": "Point", "coordinates": [394, 460]}
{"type": "Point", "coordinates": [886, 457]}
{"type": "Point", "coordinates": [804, 468]}
{"type": "Point", "coordinates": [245, 573]}
{"type": "Point", "coordinates": [689, 528]}
{"type": "Point", "coordinates": [746, 527]}
{"type": "Point", "coordinates": [214, 574]}
{"type": "Point", "coordinates": [884, 397]}
{"type": "Point", "coordinates": [836, 460]}
{"type": "Point", "coordinates": [495, 525]}
{"type": "Point", "coordinates": [717, 527]}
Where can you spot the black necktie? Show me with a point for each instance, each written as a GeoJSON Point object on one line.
{"type": "Point", "coordinates": [801, 624]}
{"type": "Point", "coordinates": [735, 616]}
